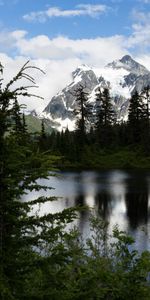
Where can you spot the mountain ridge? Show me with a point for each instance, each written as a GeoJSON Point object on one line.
{"type": "Point", "coordinates": [123, 77]}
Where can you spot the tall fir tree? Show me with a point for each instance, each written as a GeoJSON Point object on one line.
{"type": "Point", "coordinates": [105, 117]}
{"type": "Point", "coordinates": [82, 110]}
{"type": "Point", "coordinates": [105, 113]}
{"type": "Point", "coordinates": [136, 118]}
{"type": "Point", "coordinates": [24, 237]}
{"type": "Point", "coordinates": [145, 96]}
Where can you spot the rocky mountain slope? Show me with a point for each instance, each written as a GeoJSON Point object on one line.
{"type": "Point", "coordinates": [123, 77]}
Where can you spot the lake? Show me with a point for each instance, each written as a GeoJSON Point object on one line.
{"type": "Point", "coordinates": [119, 197]}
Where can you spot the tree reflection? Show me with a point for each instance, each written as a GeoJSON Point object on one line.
{"type": "Point", "coordinates": [136, 199]}
{"type": "Point", "coordinates": [103, 205]}
{"type": "Point", "coordinates": [117, 197]}
{"type": "Point", "coordinates": [83, 213]}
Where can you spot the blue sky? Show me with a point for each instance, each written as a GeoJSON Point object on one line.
{"type": "Point", "coordinates": [113, 17]}
{"type": "Point", "coordinates": [110, 17]}
{"type": "Point", "coordinates": [60, 35]}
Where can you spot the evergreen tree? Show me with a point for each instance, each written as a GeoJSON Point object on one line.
{"type": "Point", "coordinates": [135, 109]}
{"type": "Point", "coordinates": [18, 126]}
{"type": "Point", "coordinates": [136, 118]}
{"type": "Point", "coordinates": [145, 97]}
{"type": "Point", "coordinates": [43, 138]}
{"type": "Point", "coordinates": [105, 113]}
{"type": "Point", "coordinates": [82, 111]}
{"type": "Point", "coordinates": [24, 237]}
{"type": "Point", "coordinates": [43, 129]}
{"type": "Point", "coordinates": [24, 125]}
{"type": "Point", "coordinates": [105, 117]}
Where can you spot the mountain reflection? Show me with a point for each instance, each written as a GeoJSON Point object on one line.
{"type": "Point", "coordinates": [118, 197]}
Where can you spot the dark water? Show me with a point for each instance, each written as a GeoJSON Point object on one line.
{"type": "Point", "coordinates": [119, 197]}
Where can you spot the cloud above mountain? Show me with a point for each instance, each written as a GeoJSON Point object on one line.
{"type": "Point", "coordinates": [59, 56]}
{"type": "Point", "coordinates": [60, 50]}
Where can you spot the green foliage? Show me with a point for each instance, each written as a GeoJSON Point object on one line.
{"type": "Point", "coordinates": [23, 236]}
{"type": "Point", "coordinates": [112, 271]}
{"type": "Point", "coordinates": [101, 268]}
{"type": "Point", "coordinates": [41, 259]}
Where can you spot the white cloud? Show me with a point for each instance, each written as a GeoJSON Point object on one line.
{"type": "Point", "coordinates": [43, 47]}
{"type": "Point", "coordinates": [8, 39]}
{"type": "Point", "coordinates": [140, 38]}
{"type": "Point", "coordinates": [90, 10]}
{"type": "Point", "coordinates": [57, 75]}
{"type": "Point", "coordinates": [59, 56]}
{"type": "Point", "coordinates": [92, 51]}
{"type": "Point", "coordinates": [18, 34]}
{"type": "Point", "coordinates": [144, 59]}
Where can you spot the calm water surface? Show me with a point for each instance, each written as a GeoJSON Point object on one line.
{"type": "Point", "coordinates": [119, 197]}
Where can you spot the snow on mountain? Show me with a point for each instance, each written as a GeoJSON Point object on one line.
{"type": "Point", "coordinates": [115, 79]}
{"type": "Point", "coordinates": [122, 77]}
{"type": "Point", "coordinates": [129, 64]}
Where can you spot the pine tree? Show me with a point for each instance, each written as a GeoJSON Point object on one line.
{"type": "Point", "coordinates": [136, 117]}
{"type": "Point", "coordinates": [145, 97]}
{"type": "Point", "coordinates": [105, 117]}
{"type": "Point", "coordinates": [135, 109]}
{"type": "Point", "coordinates": [43, 129]}
{"type": "Point", "coordinates": [24, 125]}
{"type": "Point", "coordinates": [105, 112]}
{"type": "Point", "coordinates": [24, 237]}
{"type": "Point", "coordinates": [43, 138]}
{"type": "Point", "coordinates": [82, 111]}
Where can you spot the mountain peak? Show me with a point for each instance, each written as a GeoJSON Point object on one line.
{"type": "Point", "coordinates": [82, 68]}
{"type": "Point", "coordinates": [129, 64]}
{"type": "Point", "coordinates": [127, 58]}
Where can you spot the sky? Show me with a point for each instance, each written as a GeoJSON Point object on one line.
{"type": "Point", "coordinates": [60, 35]}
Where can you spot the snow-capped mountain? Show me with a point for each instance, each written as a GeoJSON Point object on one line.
{"type": "Point", "coordinates": [123, 77]}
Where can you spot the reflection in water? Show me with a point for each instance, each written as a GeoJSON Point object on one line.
{"type": "Point", "coordinates": [136, 199]}
{"type": "Point", "coordinates": [83, 214]}
{"type": "Point", "coordinates": [79, 200]}
{"type": "Point", "coordinates": [119, 197]}
{"type": "Point", "coordinates": [103, 205]}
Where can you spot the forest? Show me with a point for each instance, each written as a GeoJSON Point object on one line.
{"type": "Point", "coordinates": [40, 258]}
{"type": "Point", "coordinates": [100, 140]}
